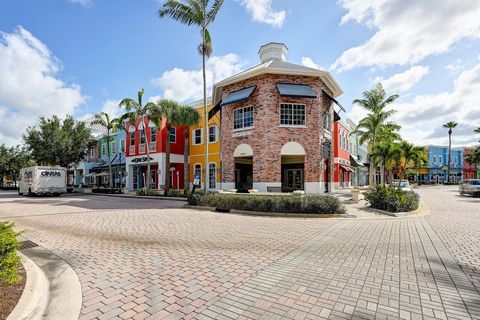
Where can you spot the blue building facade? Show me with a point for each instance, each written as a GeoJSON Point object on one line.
{"type": "Point", "coordinates": [116, 159]}
{"type": "Point", "coordinates": [438, 164]}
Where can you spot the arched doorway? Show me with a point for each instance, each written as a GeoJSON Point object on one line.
{"type": "Point", "coordinates": [293, 167]}
{"type": "Point", "coordinates": [243, 157]}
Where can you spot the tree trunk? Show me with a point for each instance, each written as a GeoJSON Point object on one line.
{"type": "Point", "coordinates": [147, 146]}
{"type": "Point", "coordinates": [205, 112]}
{"type": "Point", "coordinates": [167, 160]}
{"type": "Point", "coordinates": [449, 152]}
{"type": "Point", "coordinates": [373, 173]}
{"type": "Point", "coordinates": [186, 165]}
{"type": "Point", "coordinates": [109, 161]}
{"type": "Point", "coordinates": [382, 174]}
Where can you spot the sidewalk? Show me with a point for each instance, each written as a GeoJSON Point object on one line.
{"type": "Point", "coordinates": [133, 196]}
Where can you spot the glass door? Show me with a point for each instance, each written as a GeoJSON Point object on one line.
{"type": "Point", "coordinates": [294, 179]}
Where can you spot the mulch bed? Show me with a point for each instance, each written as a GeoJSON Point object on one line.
{"type": "Point", "coordinates": [9, 295]}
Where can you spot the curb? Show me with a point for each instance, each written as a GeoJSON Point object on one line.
{"type": "Point", "coordinates": [272, 214]}
{"type": "Point", "coordinates": [52, 291]}
{"type": "Point", "coordinates": [423, 210]}
{"type": "Point", "coordinates": [136, 197]}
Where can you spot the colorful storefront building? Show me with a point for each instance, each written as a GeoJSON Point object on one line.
{"type": "Point", "coordinates": [438, 164]}
{"type": "Point", "coordinates": [145, 134]}
{"type": "Point", "coordinates": [342, 148]}
{"type": "Point", "coordinates": [197, 147]}
{"type": "Point", "coordinates": [470, 171]}
{"type": "Point", "coordinates": [276, 126]}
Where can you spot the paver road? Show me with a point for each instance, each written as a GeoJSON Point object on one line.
{"type": "Point", "coordinates": [140, 259]}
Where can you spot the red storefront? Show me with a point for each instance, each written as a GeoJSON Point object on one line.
{"type": "Point", "coordinates": [136, 141]}
{"type": "Point", "coordinates": [343, 169]}
{"type": "Point", "coordinates": [469, 170]}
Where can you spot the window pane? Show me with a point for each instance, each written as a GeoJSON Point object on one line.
{"type": "Point", "coordinates": [212, 175]}
{"type": "Point", "coordinates": [142, 136]}
{"type": "Point", "coordinates": [212, 134]}
{"type": "Point", "coordinates": [292, 114]}
{"type": "Point", "coordinates": [173, 135]}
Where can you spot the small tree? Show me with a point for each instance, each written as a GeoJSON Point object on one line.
{"type": "Point", "coordinates": [188, 117]}
{"type": "Point", "coordinates": [108, 125]}
{"type": "Point", "coordinates": [58, 142]}
{"type": "Point", "coordinates": [135, 111]}
{"type": "Point", "coordinates": [450, 126]}
{"type": "Point", "coordinates": [382, 154]}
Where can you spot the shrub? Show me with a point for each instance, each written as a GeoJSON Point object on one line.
{"type": "Point", "coordinates": [106, 190]}
{"type": "Point", "coordinates": [9, 260]}
{"type": "Point", "coordinates": [392, 199]}
{"type": "Point", "coordinates": [322, 204]}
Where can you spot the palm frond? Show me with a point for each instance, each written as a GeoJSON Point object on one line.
{"type": "Point", "coordinates": [128, 104]}
{"type": "Point", "coordinates": [211, 15]}
{"type": "Point", "coordinates": [181, 12]}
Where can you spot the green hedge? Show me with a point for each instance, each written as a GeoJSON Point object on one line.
{"type": "Point", "coordinates": [309, 204]}
{"type": "Point", "coordinates": [392, 199]}
{"type": "Point", "coordinates": [9, 260]}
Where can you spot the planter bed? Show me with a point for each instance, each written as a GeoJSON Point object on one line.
{"type": "Point", "coordinates": [286, 204]}
{"type": "Point", "coordinates": [9, 295]}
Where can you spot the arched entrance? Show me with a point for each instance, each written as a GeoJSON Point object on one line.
{"type": "Point", "coordinates": [243, 157]}
{"type": "Point", "coordinates": [293, 167]}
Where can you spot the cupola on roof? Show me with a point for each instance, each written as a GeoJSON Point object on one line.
{"type": "Point", "coordinates": [273, 51]}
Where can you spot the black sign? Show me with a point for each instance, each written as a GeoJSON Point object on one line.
{"type": "Point", "coordinates": [141, 159]}
{"type": "Point", "coordinates": [51, 174]}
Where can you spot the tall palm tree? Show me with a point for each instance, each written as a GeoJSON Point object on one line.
{"type": "Point", "coordinates": [105, 123]}
{"type": "Point", "coordinates": [382, 154]}
{"type": "Point", "coordinates": [135, 110]}
{"type": "Point", "coordinates": [409, 155]}
{"type": "Point", "coordinates": [188, 117]}
{"type": "Point", "coordinates": [201, 14]}
{"type": "Point", "coordinates": [170, 111]}
{"type": "Point", "coordinates": [450, 126]}
{"type": "Point", "coordinates": [375, 124]}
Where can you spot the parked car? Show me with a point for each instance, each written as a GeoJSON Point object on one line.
{"type": "Point", "coordinates": [471, 187]}
{"type": "Point", "coordinates": [402, 184]}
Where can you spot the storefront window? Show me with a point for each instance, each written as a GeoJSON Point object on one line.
{"type": "Point", "coordinates": [212, 175]}
{"type": "Point", "coordinates": [292, 114]}
{"type": "Point", "coordinates": [243, 118]}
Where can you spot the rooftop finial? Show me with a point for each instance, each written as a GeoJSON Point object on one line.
{"type": "Point", "coordinates": [273, 51]}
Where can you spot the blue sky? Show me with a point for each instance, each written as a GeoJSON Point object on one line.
{"type": "Point", "coordinates": [82, 56]}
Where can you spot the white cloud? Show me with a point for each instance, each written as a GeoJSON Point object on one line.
{"type": "Point", "coordinates": [84, 3]}
{"type": "Point", "coordinates": [455, 66]}
{"type": "Point", "coordinates": [111, 108]}
{"type": "Point", "coordinates": [422, 117]}
{"type": "Point", "coordinates": [262, 11]}
{"type": "Point", "coordinates": [29, 86]}
{"type": "Point", "coordinates": [427, 113]}
{"type": "Point", "coordinates": [183, 85]}
{"type": "Point", "coordinates": [403, 81]}
{"type": "Point", "coordinates": [407, 31]}
{"type": "Point", "coordinates": [308, 62]}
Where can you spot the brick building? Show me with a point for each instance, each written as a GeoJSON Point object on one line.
{"type": "Point", "coordinates": [276, 125]}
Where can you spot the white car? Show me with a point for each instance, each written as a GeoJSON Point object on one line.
{"type": "Point", "coordinates": [402, 185]}
{"type": "Point", "coordinates": [471, 187]}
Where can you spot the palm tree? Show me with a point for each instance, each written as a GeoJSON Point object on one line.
{"type": "Point", "coordinates": [200, 14]}
{"type": "Point", "coordinates": [450, 126]}
{"type": "Point", "coordinates": [188, 117]}
{"type": "Point", "coordinates": [135, 111]}
{"type": "Point", "coordinates": [375, 126]}
{"type": "Point", "coordinates": [382, 154]}
{"type": "Point", "coordinates": [170, 111]}
{"type": "Point", "coordinates": [107, 124]}
{"type": "Point", "coordinates": [409, 154]}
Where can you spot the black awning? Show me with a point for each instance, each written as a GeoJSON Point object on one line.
{"type": "Point", "coordinates": [334, 100]}
{"type": "Point", "coordinates": [294, 90]}
{"type": "Point", "coordinates": [214, 110]}
{"type": "Point", "coordinates": [356, 162]}
{"type": "Point", "coordinates": [336, 116]}
{"type": "Point", "coordinates": [238, 96]}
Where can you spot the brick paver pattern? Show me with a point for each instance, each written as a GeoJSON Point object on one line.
{"type": "Point", "coordinates": [149, 259]}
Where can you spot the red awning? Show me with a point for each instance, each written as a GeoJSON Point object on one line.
{"type": "Point", "coordinates": [346, 168]}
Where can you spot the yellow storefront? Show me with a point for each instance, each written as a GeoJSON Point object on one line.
{"type": "Point", "coordinates": [197, 147]}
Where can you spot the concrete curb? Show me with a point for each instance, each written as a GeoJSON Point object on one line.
{"type": "Point", "coordinates": [422, 210]}
{"type": "Point", "coordinates": [272, 214]}
{"type": "Point", "coordinates": [136, 197]}
{"type": "Point", "coordinates": [52, 291]}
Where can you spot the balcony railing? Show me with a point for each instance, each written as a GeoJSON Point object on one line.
{"type": "Point", "coordinates": [131, 149]}
{"type": "Point", "coordinates": [141, 148]}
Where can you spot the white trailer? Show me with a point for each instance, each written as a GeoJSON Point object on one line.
{"type": "Point", "coordinates": [43, 180]}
